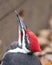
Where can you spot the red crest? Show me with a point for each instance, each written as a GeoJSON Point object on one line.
{"type": "Point", "coordinates": [34, 44]}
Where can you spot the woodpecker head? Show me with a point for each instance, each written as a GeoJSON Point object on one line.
{"type": "Point", "coordinates": [28, 38]}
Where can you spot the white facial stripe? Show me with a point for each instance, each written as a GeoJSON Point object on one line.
{"type": "Point", "coordinates": [19, 40]}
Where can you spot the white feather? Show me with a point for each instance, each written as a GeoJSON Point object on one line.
{"type": "Point", "coordinates": [19, 40]}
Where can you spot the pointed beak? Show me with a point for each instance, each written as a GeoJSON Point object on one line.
{"type": "Point", "coordinates": [22, 25]}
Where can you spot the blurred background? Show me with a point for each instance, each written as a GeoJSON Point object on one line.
{"type": "Point", "coordinates": [38, 18]}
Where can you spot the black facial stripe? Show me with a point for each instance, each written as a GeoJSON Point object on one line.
{"type": "Point", "coordinates": [26, 41]}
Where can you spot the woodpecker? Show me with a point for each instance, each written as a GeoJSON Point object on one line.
{"type": "Point", "coordinates": [21, 52]}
